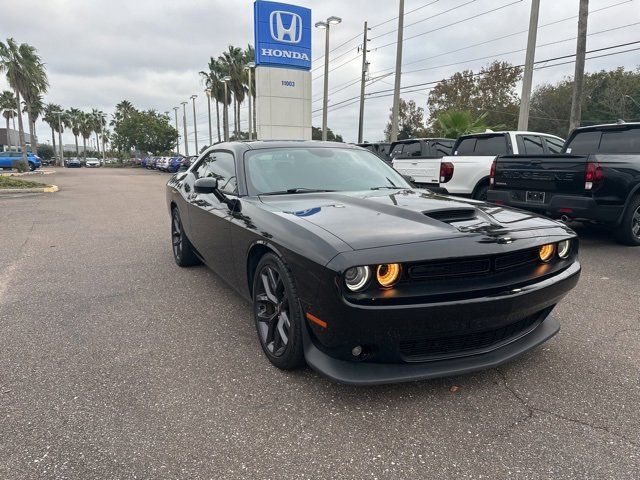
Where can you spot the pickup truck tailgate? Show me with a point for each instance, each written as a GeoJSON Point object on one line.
{"type": "Point", "coordinates": [422, 170]}
{"type": "Point", "coordinates": [554, 173]}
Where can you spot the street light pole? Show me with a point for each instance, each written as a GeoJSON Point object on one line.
{"type": "Point", "coordinates": [226, 108]}
{"type": "Point", "coordinates": [327, 26]}
{"type": "Point", "coordinates": [61, 161]}
{"type": "Point", "coordinates": [195, 128]}
{"type": "Point", "coordinates": [396, 89]}
{"type": "Point", "coordinates": [248, 68]}
{"type": "Point", "coordinates": [208, 92]}
{"type": "Point", "coordinates": [175, 110]}
{"type": "Point", "coordinates": [184, 120]}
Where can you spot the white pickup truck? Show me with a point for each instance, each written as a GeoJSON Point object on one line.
{"type": "Point", "coordinates": [467, 171]}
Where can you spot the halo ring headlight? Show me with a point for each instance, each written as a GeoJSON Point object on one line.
{"type": "Point", "coordinates": [356, 278]}
{"type": "Point", "coordinates": [564, 248]}
{"type": "Point", "coordinates": [388, 274]}
{"type": "Point", "coordinates": [546, 252]}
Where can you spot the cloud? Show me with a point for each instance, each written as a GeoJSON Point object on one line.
{"type": "Point", "coordinates": [150, 51]}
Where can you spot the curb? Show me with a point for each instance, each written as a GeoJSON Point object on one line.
{"type": "Point", "coordinates": [47, 189]}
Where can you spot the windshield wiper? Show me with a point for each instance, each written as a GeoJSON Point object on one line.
{"type": "Point", "coordinates": [298, 190]}
{"type": "Point", "coordinates": [387, 186]}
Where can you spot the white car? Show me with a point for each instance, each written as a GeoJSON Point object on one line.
{"type": "Point", "coordinates": [467, 171]}
{"type": "Point", "coordinates": [92, 162]}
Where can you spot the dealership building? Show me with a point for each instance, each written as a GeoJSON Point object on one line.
{"type": "Point", "coordinates": [10, 139]}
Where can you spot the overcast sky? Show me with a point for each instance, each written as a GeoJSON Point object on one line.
{"type": "Point", "coordinates": [99, 52]}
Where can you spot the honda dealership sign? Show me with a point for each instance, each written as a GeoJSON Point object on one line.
{"type": "Point", "coordinates": [283, 79]}
{"type": "Point", "coordinates": [282, 35]}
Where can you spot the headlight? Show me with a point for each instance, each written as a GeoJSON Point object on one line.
{"type": "Point", "coordinates": [388, 274]}
{"type": "Point", "coordinates": [564, 248]}
{"type": "Point", "coordinates": [546, 252]}
{"type": "Point", "coordinates": [356, 278]}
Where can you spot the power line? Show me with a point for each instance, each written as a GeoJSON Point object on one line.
{"type": "Point", "coordinates": [406, 89]}
{"type": "Point", "coordinates": [405, 14]}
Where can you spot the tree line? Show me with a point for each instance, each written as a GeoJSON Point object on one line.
{"type": "Point", "coordinates": [470, 102]}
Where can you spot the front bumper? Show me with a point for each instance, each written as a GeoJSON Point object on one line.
{"type": "Point", "coordinates": [410, 342]}
{"type": "Point", "coordinates": [558, 205]}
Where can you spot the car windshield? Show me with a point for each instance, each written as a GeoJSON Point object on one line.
{"type": "Point", "coordinates": [296, 170]}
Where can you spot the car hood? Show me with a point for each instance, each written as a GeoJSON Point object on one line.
{"type": "Point", "coordinates": [391, 217]}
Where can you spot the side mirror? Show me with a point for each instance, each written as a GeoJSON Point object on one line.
{"type": "Point", "coordinates": [206, 185]}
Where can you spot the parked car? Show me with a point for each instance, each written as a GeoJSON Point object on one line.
{"type": "Point", "coordinates": [466, 172]}
{"type": "Point", "coordinates": [596, 179]}
{"type": "Point", "coordinates": [367, 279]}
{"type": "Point", "coordinates": [8, 160]}
{"type": "Point", "coordinates": [382, 149]}
{"type": "Point", "coordinates": [174, 164]}
{"type": "Point", "coordinates": [92, 162]}
{"type": "Point", "coordinates": [74, 163]}
{"type": "Point", "coordinates": [419, 159]}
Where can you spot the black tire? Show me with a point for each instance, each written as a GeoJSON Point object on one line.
{"type": "Point", "coordinates": [275, 304]}
{"type": "Point", "coordinates": [183, 252]}
{"type": "Point", "coordinates": [628, 232]}
{"type": "Point", "coordinates": [32, 166]}
{"type": "Point", "coordinates": [481, 192]}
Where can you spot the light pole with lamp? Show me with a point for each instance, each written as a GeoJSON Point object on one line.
{"type": "Point", "coordinates": [248, 68]}
{"type": "Point", "coordinates": [195, 128]}
{"type": "Point", "coordinates": [327, 26]}
{"type": "Point", "coordinates": [59, 113]}
{"type": "Point", "coordinates": [184, 120]}
{"type": "Point", "coordinates": [226, 80]}
{"type": "Point", "coordinates": [208, 92]}
{"type": "Point", "coordinates": [175, 111]}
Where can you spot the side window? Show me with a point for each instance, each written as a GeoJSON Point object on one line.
{"type": "Point", "coordinates": [491, 145]}
{"type": "Point", "coordinates": [221, 165]}
{"type": "Point", "coordinates": [620, 141]}
{"type": "Point", "coordinates": [440, 148]}
{"type": "Point", "coordinates": [466, 147]}
{"type": "Point", "coordinates": [553, 144]}
{"type": "Point", "coordinates": [201, 169]}
{"type": "Point", "coordinates": [412, 150]}
{"type": "Point", "coordinates": [530, 145]}
{"type": "Point", "coordinates": [584, 143]}
{"type": "Point", "coordinates": [397, 149]}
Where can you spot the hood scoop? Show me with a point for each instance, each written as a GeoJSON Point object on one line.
{"type": "Point", "coordinates": [452, 214]}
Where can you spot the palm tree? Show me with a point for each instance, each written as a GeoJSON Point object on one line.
{"type": "Point", "coordinates": [50, 117]}
{"type": "Point", "coordinates": [105, 138]}
{"type": "Point", "coordinates": [213, 80]}
{"type": "Point", "coordinates": [8, 105]}
{"type": "Point", "coordinates": [454, 123]}
{"type": "Point", "coordinates": [33, 107]}
{"type": "Point", "coordinates": [86, 125]}
{"type": "Point", "coordinates": [72, 120]}
{"type": "Point", "coordinates": [25, 73]}
{"type": "Point", "coordinates": [234, 62]}
{"type": "Point", "coordinates": [99, 123]}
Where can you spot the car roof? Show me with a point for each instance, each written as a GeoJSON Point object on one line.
{"type": "Point", "coordinates": [265, 144]}
{"type": "Point", "coordinates": [608, 126]}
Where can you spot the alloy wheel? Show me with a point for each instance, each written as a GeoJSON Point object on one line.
{"type": "Point", "coordinates": [272, 311]}
{"type": "Point", "coordinates": [176, 235]}
{"type": "Point", "coordinates": [635, 223]}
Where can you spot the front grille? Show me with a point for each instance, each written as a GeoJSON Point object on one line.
{"type": "Point", "coordinates": [473, 266]}
{"type": "Point", "coordinates": [434, 348]}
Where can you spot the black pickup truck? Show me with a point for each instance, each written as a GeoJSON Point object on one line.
{"type": "Point", "coordinates": [596, 178]}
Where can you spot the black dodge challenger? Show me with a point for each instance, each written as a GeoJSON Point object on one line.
{"type": "Point", "coordinates": [359, 274]}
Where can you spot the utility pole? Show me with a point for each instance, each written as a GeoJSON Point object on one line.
{"type": "Point", "coordinates": [225, 110]}
{"type": "Point", "coordinates": [365, 68]}
{"type": "Point", "coordinates": [184, 119]}
{"type": "Point", "coordinates": [396, 88]}
{"type": "Point", "coordinates": [250, 66]}
{"type": "Point", "coordinates": [195, 128]}
{"type": "Point", "coordinates": [578, 77]}
{"type": "Point", "coordinates": [525, 101]}
{"type": "Point", "coordinates": [175, 110]}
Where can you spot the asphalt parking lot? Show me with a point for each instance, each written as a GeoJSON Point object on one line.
{"type": "Point", "coordinates": [115, 363]}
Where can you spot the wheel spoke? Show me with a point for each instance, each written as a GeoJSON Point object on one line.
{"type": "Point", "coordinates": [283, 322]}
{"type": "Point", "coordinates": [266, 284]}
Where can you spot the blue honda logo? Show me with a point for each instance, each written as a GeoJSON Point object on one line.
{"type": "Point", "coordinates": [286, 27]}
